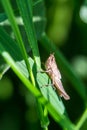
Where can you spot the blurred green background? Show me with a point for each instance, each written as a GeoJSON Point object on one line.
{"type": "Point", "coordinates": [67, 28]}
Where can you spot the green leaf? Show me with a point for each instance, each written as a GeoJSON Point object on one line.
{"type": "Point", "coordinates": [26, 13]}
{"type": "Point", "coordinates": [47, 92]}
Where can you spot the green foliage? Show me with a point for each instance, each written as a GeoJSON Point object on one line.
{"type": "Point", "coordinates": [14, 55]}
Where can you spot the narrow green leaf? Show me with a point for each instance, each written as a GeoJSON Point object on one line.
{"type": "Point", "coordinates": [25, 9]}
{"type": "Point", "coordinates": [26, 13]}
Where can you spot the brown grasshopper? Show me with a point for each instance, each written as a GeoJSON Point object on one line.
{"type": "Point", "coordinates": [54, 74]}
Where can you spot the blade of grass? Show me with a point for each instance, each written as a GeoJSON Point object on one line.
{"type": "Point", "coordinates": [7, 6]}
{"type": "Point", "coordinates": [25, 9]}
{"type": "Point", "coordinates": [64, 65]}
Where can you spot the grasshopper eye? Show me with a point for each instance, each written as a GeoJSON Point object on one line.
{"type": "Point", "coordinates": [52, 59]}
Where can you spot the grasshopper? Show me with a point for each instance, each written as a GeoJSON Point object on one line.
{"type": "Point", "coordinates": [54, 73]}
